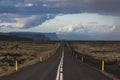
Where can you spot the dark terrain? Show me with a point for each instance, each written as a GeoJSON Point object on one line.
{"type": "Point", "coordinates": [73, 69]}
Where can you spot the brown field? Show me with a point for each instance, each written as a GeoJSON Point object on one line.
{"type": "Point", "coordinates": [98, 50]}
{"type": "Point", "coordinates": [26, 53]}
{"type": "Point", "coordinates": [110, 51]}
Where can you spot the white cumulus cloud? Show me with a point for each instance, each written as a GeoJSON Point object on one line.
{"type": "Point", "coordinates": [90, 28]}
{"type": "Point", "coordinates": [68, 28]}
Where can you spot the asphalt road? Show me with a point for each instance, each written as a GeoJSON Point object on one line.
{"type": "Point", "coordinates": [46, 70]}
{"type": "Point", "coordinates": [76, 70]}
{"type": "Point", "coordinates": [70, 69]}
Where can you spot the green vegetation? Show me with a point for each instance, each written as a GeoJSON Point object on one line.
{"type": "Point", "coordinates": [25, 52]}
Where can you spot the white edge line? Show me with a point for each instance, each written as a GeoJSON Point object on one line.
{"type": "Point", "coordinates": [60, 68]}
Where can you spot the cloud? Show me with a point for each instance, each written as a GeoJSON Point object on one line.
{"type": "Point", "coordinates": [68, 28]}
{"type": "Point", "coordinates": [93, 23]}
{"type": "Point", "coordinates": [114, 30]}
{"type": "Point", "coordinates": [28, 21]}
{"type": "Point", "coordinates": [89, 32]}
{"type": "Point", "coordinates": [92, 28]}
{"type": "Point", "coordinates": [60, 6]}
{"type": "Point", "coordinates": [30, 13]}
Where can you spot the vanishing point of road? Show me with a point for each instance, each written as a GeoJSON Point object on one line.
{"type": "Point", "coordinates": [61, 66]}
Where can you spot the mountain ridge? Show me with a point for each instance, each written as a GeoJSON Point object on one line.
{"type": "Point", "coordinates": [36, 35]}
{"type": "Point", "coordinates": [8, 37]}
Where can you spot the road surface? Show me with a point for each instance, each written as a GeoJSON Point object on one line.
{"type": "Point", "coordinates": [61, 66]}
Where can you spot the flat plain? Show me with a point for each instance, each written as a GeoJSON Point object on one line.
{"type": "Point", "coordinates": [24, 52]}
{"type": "Point", "coordinates": [98, 50]}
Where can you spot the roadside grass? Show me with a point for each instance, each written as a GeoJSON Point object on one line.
{"type": "Point", "coordinates": [98, 50]}
{"type": "Point", "coordinates": [29, 52]}
{"type": "Point", "coordinates": [109, 52]}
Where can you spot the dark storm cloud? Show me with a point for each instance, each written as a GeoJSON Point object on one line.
{"type": "Point", "coordinates": [10, 10]}
{"type": "Point", "coordinates": [59, 6]}
{"type": "Point", "coordinates": [27, 21]}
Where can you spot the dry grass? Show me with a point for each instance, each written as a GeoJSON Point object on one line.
{"type": "Point", "coordinates": [96, 50]}
{"type": "Point", "coordinates": [29, 51]}
{"type": "Point", "coordinates": [109, 51]}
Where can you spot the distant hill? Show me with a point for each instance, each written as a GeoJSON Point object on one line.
{"type": "Point", "coordinates": [77, 36]}
{"type": "Point", "coordinates": [51, 36]}
{"type": "Point", "coordinates": [8, 37]}
{"type": "Point", "coordinates": [36, 35]}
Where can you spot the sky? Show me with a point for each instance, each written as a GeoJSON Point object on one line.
{"type": "Point", "coordinates": [87, 19]}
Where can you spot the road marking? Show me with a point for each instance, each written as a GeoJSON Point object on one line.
{"type": "Point", "coordinates": [60, 68]}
